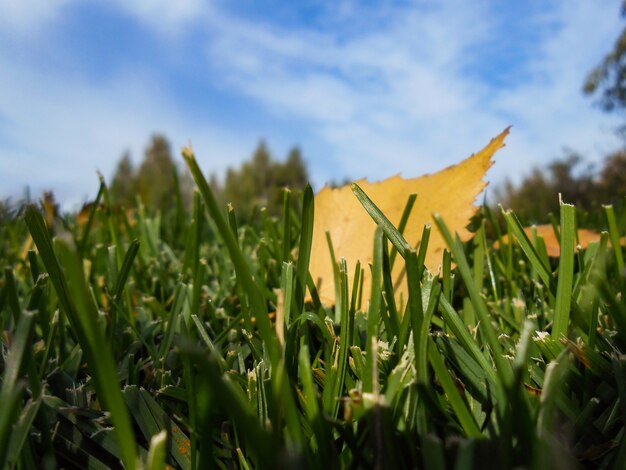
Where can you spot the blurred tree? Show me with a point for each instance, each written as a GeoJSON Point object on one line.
{"type": "Point", "coordinates": [294, 171]}
{"type": "Point", "coordinates": [155, 178]}
{"type": "Point", "coordinates": [612, 180]}
{"type": "Point", "coordinates": [523, 198]}
{"type": "Point", "coordinates": [124, 184]}
{"type": "Point", "coordinates": [538, 194]}
{"type": "Point", "coordinates": [260, 181]}
{"type": "Point", "coordinates": [291, 174]}
{"type": "Point", "coordinates": [609, 77]}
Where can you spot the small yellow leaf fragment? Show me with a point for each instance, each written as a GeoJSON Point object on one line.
{"type": "Point", "coordinates": [553, 246]}
{"type": "Point", "coordinates": [450, 192]}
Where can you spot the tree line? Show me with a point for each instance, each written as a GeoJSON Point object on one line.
{"type": "Point", "coordinates": [578, 183]}
{"type": "Point", "coordinates": [257, 183]}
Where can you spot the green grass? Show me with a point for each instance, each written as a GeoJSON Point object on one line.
{"type": "Point", "coordinates": [196, 341]}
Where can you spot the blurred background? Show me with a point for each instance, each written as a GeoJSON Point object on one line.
{"type": "Point", "coordinates": [279, 93]}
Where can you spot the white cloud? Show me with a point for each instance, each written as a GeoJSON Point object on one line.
{"type": "Point", "coordinates": [165, 16]}
{"type": "Point", "coordinates": [549, 109]}
{"type": "Point", "coordinates": [377, 91]}
{"type": "Point", "coordinates": [408, 95]}
{"type": "Point", "coordinates": [26, 17]}
{"type": "Point", "coordinates": [57, 133]}
{"type": "Point", "coordinates": [20, 16]}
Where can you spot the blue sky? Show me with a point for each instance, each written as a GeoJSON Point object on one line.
{"type": "Point", "coordinates": [364, 88]}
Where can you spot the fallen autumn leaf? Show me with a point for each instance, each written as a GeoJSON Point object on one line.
{"type": "Point", "coordinates": [450, 192]}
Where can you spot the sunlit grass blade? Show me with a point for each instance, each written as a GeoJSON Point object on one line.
{"type": "Point", "coordinates": [394, 236]}
{"type": "Point", "coordinates": [306, 240]}
{"type": "Point", "coordinates": [566, 272]}
{"type": "Point", "coordinates": [156, 453]}
{"type": "Point", "coordinates": [402, 224]}
{"type": "Point", "coordinates": [615, 239]}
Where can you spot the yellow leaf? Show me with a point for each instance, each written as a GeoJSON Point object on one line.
{"type": "Point", "coordinates": [450, 192]}
{"type": "Point", "coordinates": [553, 246]}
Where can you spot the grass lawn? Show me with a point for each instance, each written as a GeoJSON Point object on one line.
{"type": "Point", "coordinates": [143, 339]}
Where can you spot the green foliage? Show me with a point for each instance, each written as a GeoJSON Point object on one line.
{"type": "Point", "coordinates": [155, 184]}
{"type": "Point", "coordinates": [124, 183]}
{"type": "Point", "coordinates": [206, 347]}
{"type": "Point", "coordinates": [158, 184]}
{"type": "Point", "coordinates": [609, 77]}
{"type": "Point", "coordinates": [155, 177]}
{"type": "Point", "coordinates": [260, 182]}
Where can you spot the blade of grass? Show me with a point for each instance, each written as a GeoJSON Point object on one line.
{"type": "Point", "coordinates": [99, 357]}
{"type": "Point", "coordinates": [516, 228]}
{"type": "Point", "coordinates": [462, 412]}
{"type": "Point", "coordinates": [382, 221]}
{"type": "Point", "coordinates": [402, 224]}
{"type": "Point", "coordinates": [333, 389]}
{"type": "Point", "coordinates": [22, 429]}
{"type": "Point", "coordinates": [615, 239]}
{"type": "Point", "coordinates": [304, 247]}
{"type": "Point", "coordinates": [124, 272]}
{"type": "Point", "coordinates": [233, 403]}
{"type": "Point", "coordinates": [421, 330]}
{"type": "Point", "coordinates": [192, 245]}
{"type": "Point", "coordinates": [11, 391]}
{"type": "Point", "coordinates": [286, 253]}
{"type": "Point", "coordinates": [180, 448]}
{"type": "Point", "coordinates": [252, 289]}
{"type": "Point", "coordinates": [373, 311]}
{"type": "Point", "coordinates": [619, 368]}
{"type": "Point", "coordinates": [555, 374]}
{"type": "Point", "coordinates": [156, 453]}
{"type": "Point", "coordinates": [391, 318]}
{"type": "Point", "coordinates": [566, 272]}
{"type": "Point", "coordinates": [92, 212]}
{"type": "Point", "coordinates": [415, 313]}
{"type": "Point", "coordinates": [83, 318]}
{"type": "Point", "coordinates": [504, 368]}
{"type": "Point", "coordinates": [321, 439]}
{"type": "Point", "coordinates": [11, 294]}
